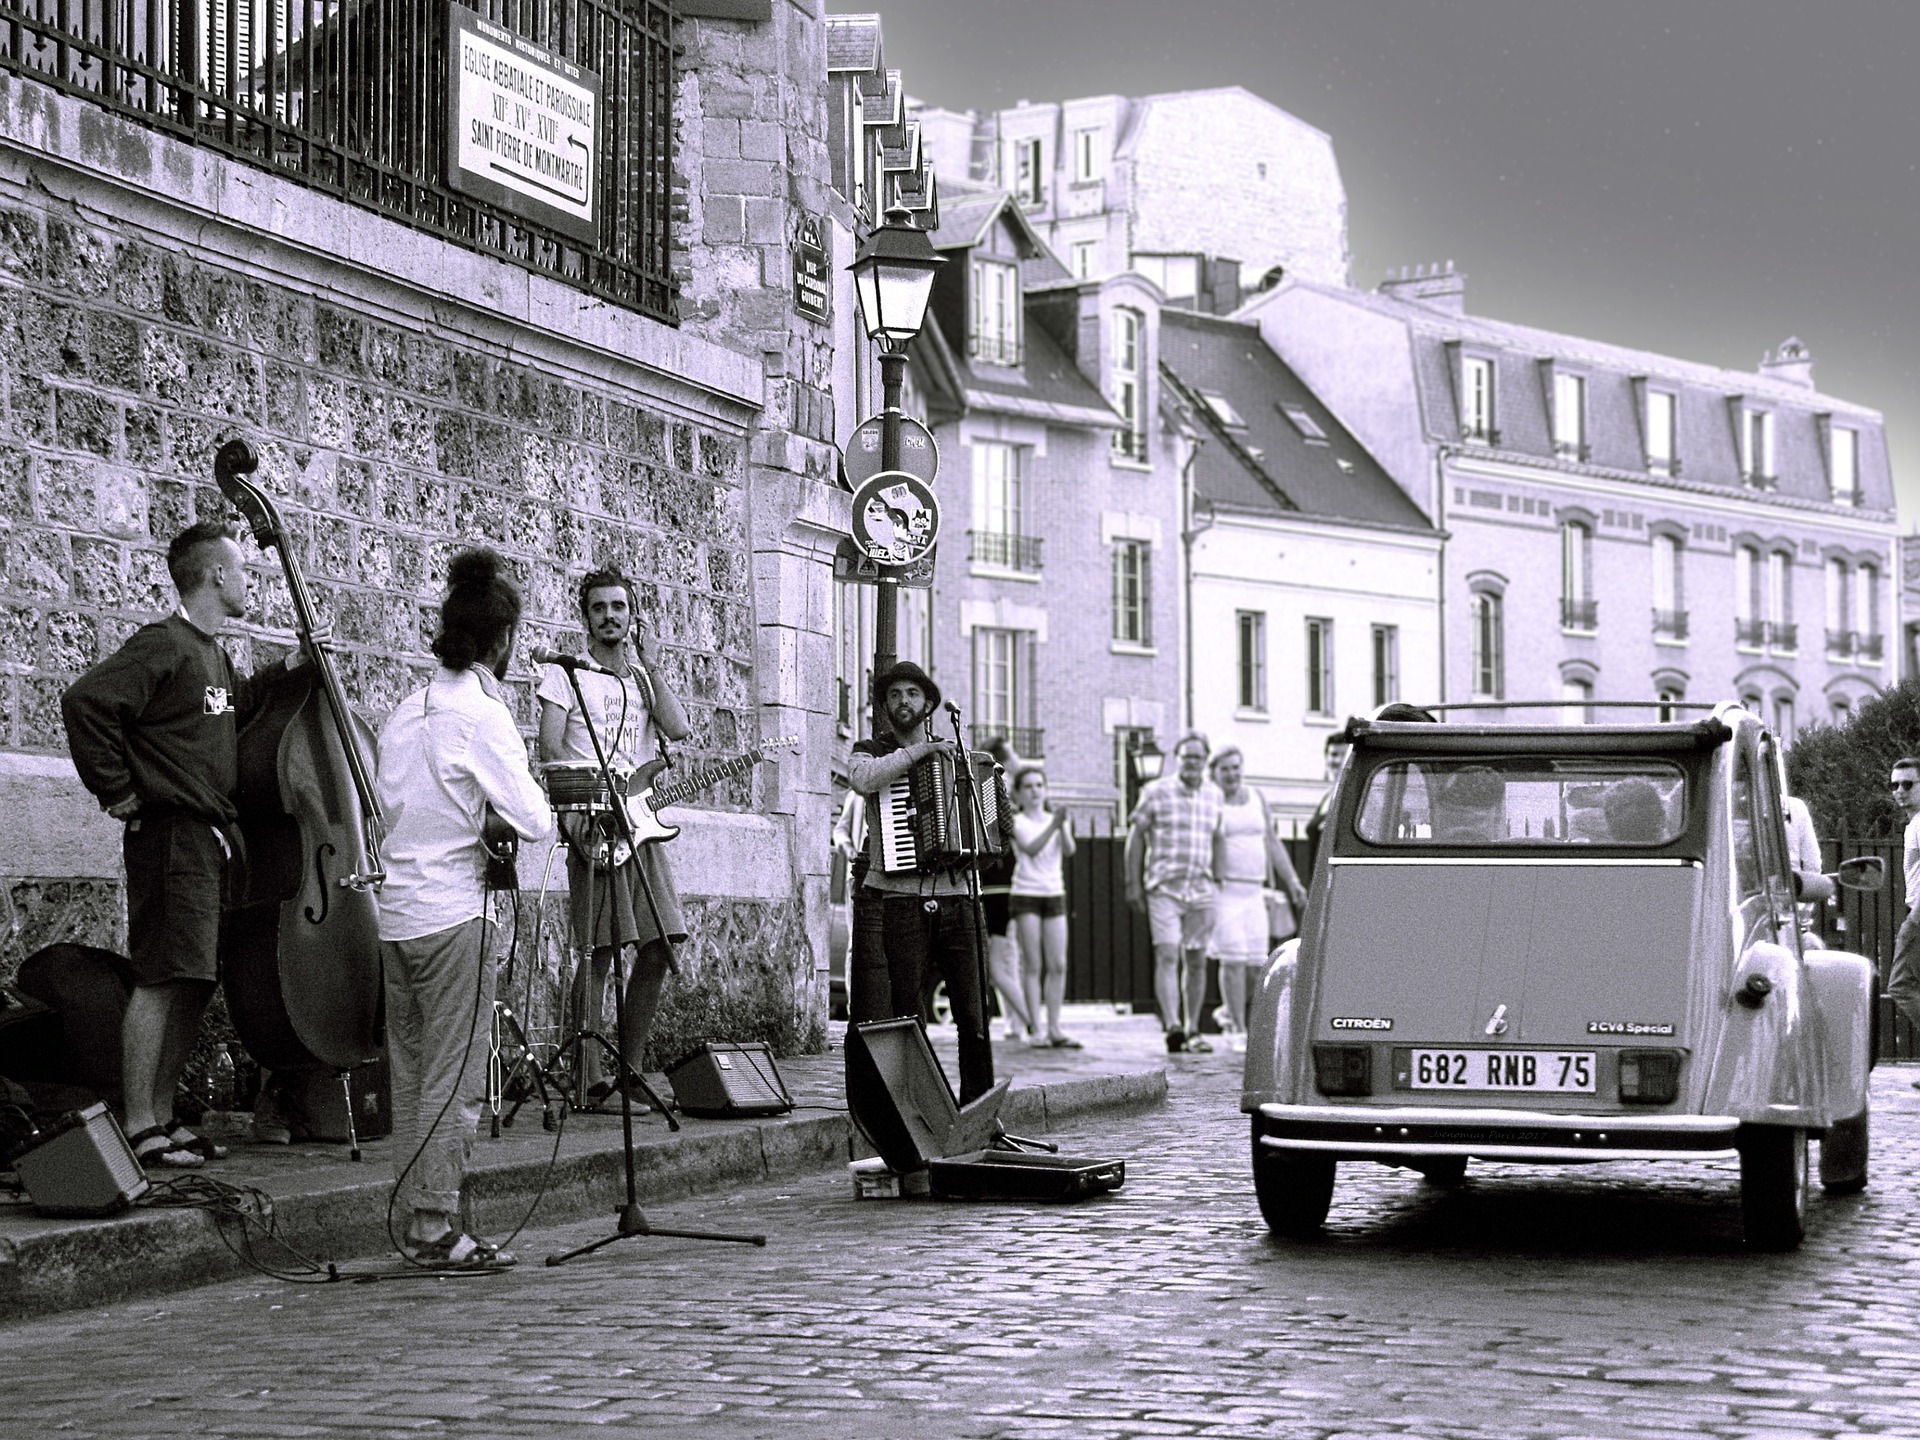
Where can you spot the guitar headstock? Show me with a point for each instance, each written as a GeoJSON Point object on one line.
{"type": "Point", "coordinates": [784, 742]}
{"type": "Point", "coordinates": [235, 461]}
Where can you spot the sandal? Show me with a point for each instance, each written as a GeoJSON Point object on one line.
{"type": "Point", "coordinates": [185, 1139]}
{"type": "Point", "coordinates": [456, 1250]}
{"type": "Point", "coordinates": [1199, 1045]}
{"type": "Point", "coordinates": [594, 1102]}
{"type": "Point", "coordinates": [1065, 1042]}
{"type": "Point", "coordinates": [155, 1149]}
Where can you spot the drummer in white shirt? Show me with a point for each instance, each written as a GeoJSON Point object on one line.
{"type": "Point", "coordinates": [608, 904]}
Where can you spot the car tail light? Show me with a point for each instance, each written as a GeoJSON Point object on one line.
{"type": "Point", "coordinates": [1343, 1069]}
{"type": "Point", "coordinates": [1649, 1077]}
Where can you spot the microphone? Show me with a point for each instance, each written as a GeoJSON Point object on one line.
{"type": "Point", "coordinates": [952, 709]}
{"type": "Point", "coordinates": [540, 655]}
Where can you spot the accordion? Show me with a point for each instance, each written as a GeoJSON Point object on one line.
{"type": "Point", "coordinates": [928, 823]}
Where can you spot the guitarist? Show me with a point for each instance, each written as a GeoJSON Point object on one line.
{"type": "Point", "coordinates": [630, 709]}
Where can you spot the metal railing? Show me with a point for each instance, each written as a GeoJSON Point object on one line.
{"type": "Point", "coordinates": [1783, 636]}
{"type": "Point", "coordinates": [1579, 614]}
{"type": "Point", "coordinates": [1752, 633]}
{"type": "Point", "coordinates": [1028, 741]}
{"type": "Point", "coordinates": [1009, 552]}
{"type": "Point", "coordinates": [993, 349]}
{"type": "Point", "coordinates": [1868, 647]}
{"type": "Point", "coordinates": [1670, 623]}
{"type": "Point", "coordinates": [1840, 643]}
{"type": "Point", "coordinates": [351, 98]}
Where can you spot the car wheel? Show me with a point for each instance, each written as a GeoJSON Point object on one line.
{"type": "Point", "coordinates": [1446, 1171]}
{"type": "Point", "coordinates": [1843, 1156]}
{"type": "Point", "coordinates": [939, 1007]}
{"type": "Point", "coordinates": [1295, 1190]}
{"type": "Point", "coordinates": [1773, 1185]}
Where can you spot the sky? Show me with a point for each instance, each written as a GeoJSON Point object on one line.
{"type": "Point", "coordinates": [1701, 178]}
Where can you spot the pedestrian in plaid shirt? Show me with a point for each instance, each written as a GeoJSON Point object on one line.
{"type": "Point", "coordinates": [1170, 876]}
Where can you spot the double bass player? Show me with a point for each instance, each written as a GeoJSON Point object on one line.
{"type": "Point", "coordinates": [153, 733]}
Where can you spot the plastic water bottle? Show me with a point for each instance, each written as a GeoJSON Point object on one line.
{"type": "Point", "coordinates": [220, 1081]}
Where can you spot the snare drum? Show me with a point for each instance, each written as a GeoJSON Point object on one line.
{"type": "Point", "coordinates": [577, 786]}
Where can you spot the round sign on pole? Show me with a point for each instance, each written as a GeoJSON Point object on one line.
{"type": "Point", "coordinates": [919, 456]}
{"type": "Point", "coordinates": [895, 518]}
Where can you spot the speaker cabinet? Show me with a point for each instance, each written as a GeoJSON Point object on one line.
{"type": "Point", "coordinates": [82, 1166]}
{"type": "Point", "coordinates": [725, 1080]}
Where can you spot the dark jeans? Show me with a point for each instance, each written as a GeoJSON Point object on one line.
{"type": "Point", "coordinates": [895, 938]}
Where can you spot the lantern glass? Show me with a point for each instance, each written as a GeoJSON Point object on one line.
{"type": "Point", "coordinates": [893, 277]}
{"type": "Point", "coordinates": [1148, 760]}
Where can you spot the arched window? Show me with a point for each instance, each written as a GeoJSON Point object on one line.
{"type": "Point", "coordinates": [1489, 645]}
{"type": "Point", "coordinates": [1866, 611]}
{"type": "Point", "coordinates": [1784, 719]}
{"type": "Point", "coordinates": [1842, 710]}
{"type": "Point", "coordinates": [1839, 606]}
{"type": "Point", "coordinates": [1670, 695]}
{"type": "Point", "coordinates": [1578, 609]}
{"type": "Point", "coordinates": [1749, 609]}
{"type": "Point", "coordinates": [1577, 691]}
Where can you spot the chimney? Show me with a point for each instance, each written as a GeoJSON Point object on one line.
{"type": "Point", "coordinates": [1429, 285]}
{"type": "Point", "coordinates": [1792, 362]}
{"type": "Point", "coordinates": [1222, 285]}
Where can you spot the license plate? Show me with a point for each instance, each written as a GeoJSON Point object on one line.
{"type": "Point", "coordinates": [1553, 1072]}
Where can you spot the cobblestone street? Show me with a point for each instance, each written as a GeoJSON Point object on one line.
{"type": "Point", "coordinates": [1607, 1301]}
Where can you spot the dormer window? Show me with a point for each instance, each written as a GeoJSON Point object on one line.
{"type": "Point", "coordinates": [1662, 452]}
{"type": "Point", "coordinates": [995, 336]}
{"type": "Point", "coordinates": [1756, 449]}
{"type": "Point", "coordinates": [1569, 416]}
{"type": "Point", "coordinates": [1308, 427]}
{"type": "Point", "coordinates": [1029, 180]}
{"type": "Point", "coordinates": [1223, 411]}
{"type": "Point", "coordinates": [1127, 385]}
{"type": "Point", "coordinates": [1477, 418]}
{"type": "Point", "coordinates": [1843, 464]}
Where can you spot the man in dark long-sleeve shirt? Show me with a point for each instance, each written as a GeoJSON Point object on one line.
{"type": "Point", "coordinates": [152, 730]}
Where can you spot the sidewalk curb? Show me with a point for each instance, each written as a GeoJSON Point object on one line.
{"type": "Point", "coordinates": [156, 1251]}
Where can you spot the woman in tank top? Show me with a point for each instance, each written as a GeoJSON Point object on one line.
{"type": "Point", "coordinates": [1042, 841]}
{"type": "Point", "coordinates": [1247, 855]}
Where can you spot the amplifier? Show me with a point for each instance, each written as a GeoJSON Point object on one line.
{"type": "Point", "coordinates": [82, 1165]}
{"type": "Point", "coordinates": [720, 1078]}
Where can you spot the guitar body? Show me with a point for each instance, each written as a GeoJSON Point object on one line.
{"type": "Point", "coordinates": [648, 828]}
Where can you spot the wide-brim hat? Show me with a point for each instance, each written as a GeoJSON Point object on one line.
{"type": "Point", "coordinates": [907, 670]}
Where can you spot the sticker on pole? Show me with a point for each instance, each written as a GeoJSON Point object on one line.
{"type": "Point", "coordinates": [895, 518]}
{"type": "Point", "coordinates": [919, 456]}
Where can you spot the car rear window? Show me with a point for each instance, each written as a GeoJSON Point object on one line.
{"type": "Point", "coordinates": [1502, 801]}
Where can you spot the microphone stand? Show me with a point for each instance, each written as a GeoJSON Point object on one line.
{"type": "Point", "coordinates": [972, 829]}
{"type": "Point", "coordinates": [632, 1220]}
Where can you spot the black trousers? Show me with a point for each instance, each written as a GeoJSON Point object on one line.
{"type": "Point", "coordinates": [895, 939]}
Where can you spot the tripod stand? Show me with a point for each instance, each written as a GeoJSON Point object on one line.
{"type": "Point", "coordinates": [631, 1221]}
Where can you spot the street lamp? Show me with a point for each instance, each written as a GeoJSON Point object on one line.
{"type": "Point", "coordinates": [893, 277]}
{"type": "Point", "coordinates": [1145, 762]}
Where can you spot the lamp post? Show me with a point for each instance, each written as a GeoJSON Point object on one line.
{"type": "Point", "coordinates": [1145, 762]}
{"type": "Point", "coordinates": [893, 276]}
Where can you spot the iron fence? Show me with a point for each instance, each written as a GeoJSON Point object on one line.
{"type": "Point", "coordinates": [350, 97]}
{"type": "Point", "coordinates": [1008, 551]}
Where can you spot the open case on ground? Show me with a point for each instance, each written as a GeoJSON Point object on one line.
{"type": "Point", "coordinates": [900, 1099]}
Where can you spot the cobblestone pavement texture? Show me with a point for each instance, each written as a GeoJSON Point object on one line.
{"type": "Point", "coordinates": [1608, 1301]}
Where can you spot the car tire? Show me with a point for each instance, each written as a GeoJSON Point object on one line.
{"type": "Point", "coordinates": [1295, 1190]}
{"type": "Point", "coordinates": [1446, 1171]}
{"type": "Point", "coordinates": [1773, 1185]}
{"type": "Point", "coordinates": [1843, 1156]}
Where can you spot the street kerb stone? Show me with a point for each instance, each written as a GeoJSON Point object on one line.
{"type": "Point", "coordinates": [334, 1209]}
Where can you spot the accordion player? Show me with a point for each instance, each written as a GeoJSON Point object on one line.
{"type": "Point", "coordinates": [929, 820]}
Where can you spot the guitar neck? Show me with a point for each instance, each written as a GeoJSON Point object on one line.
{"type": "Point", "coordinates": [701, 779]}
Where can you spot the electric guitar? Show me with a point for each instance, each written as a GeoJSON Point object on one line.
{"type": "Point", "coordinates": [643, 800]}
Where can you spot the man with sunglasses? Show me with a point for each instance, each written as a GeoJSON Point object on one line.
{"type": "Point", "coordinates": [1903, 984]}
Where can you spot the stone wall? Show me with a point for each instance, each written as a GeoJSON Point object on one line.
{"type": "Point", "coordinates": [409, 399]}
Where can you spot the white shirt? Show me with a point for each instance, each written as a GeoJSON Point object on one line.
{"type": "Point", "coordinates": [1038, 873]}
{"type": "Point", "coordinates": [1912, 866]}
{"type": "Point", "coordinates": [1803, 842]}
{"type": "Point", "coordinates": [446, 753]}
{"type": "Point", "coordinates": [620, 715]}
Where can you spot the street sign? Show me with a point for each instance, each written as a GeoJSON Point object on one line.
{"type": "Point", "coordinates": [895, 518]}
{"type": "Point", "coordinates": [850, 565]}
{"type": "Point", "coordinates": [812, 288]}
{"type": "Point", "coordinates": [919, 456]}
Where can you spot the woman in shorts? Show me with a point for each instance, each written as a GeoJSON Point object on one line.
{"type": "Point", "coordinates": [1247, 856]}
{"type": "Point", "coordinates": [1041, 844]}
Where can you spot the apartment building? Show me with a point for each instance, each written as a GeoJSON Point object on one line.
{"type": "Point", "coordinates": [1313, 580]}
{"type": "Point", "coordinates": [1160, 183]}
{"type": "Point", "coordinates": [1620, 524]}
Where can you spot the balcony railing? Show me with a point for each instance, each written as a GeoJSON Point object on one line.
{"type": "Point", "coordinates": [1663, 464]}
{"type": "Point", "coordinates": [1008, 552]}
{"type": "Point", "coordinates": [1840, 643]}
{"type": "Point", "coordinates": [1751, 633]}
{"type": "Point", "coordinates": [1130, 444]}
{"type": "Point", "coordinates": [1670, 624]}
{"type": "Point", "coordinates": [1573, 450]}
{"type": "Point", "coordinates": [1481, 434]}
{"type": "Point", "coordinates": [1579, 614]}
{"type": "Point", "coordinates": [350, 97]}
{"type": "Point", "coordinates": [1869, 648]}
{"type": "Point", "coordinates": [1783, 636]}
{"type": "Point", "coordinates": [1758, 480]}
{"type": "Point", "coordinates": [994, 349]}
{"type": "Point", "coordinates": [1028, 741]}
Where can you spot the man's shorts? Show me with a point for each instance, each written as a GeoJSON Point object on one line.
{"type": "Point", "coordinates": [176, 881]}
{"type": "Point", "coordinates": [1188, 924]}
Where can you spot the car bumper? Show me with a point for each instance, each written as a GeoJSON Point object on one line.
{"type": "Point", "coordinates": [1385, 1132]}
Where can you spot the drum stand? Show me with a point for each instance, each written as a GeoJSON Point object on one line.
{"type": "Point", "coordinates": [631, 1221]}
{"type": "Point", "coordinates": [526, 1071]}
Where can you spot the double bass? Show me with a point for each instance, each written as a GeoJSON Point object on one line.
{"type": "Point", "coordinates": [299, 950]}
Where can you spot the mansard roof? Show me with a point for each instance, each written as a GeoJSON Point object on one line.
{"type": "Point", "coordinates": [1255, 457]}
{"type": "Point", "coordinates": [1048, 386]}
{"type": "Point", "coordinates": [853, 43]}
